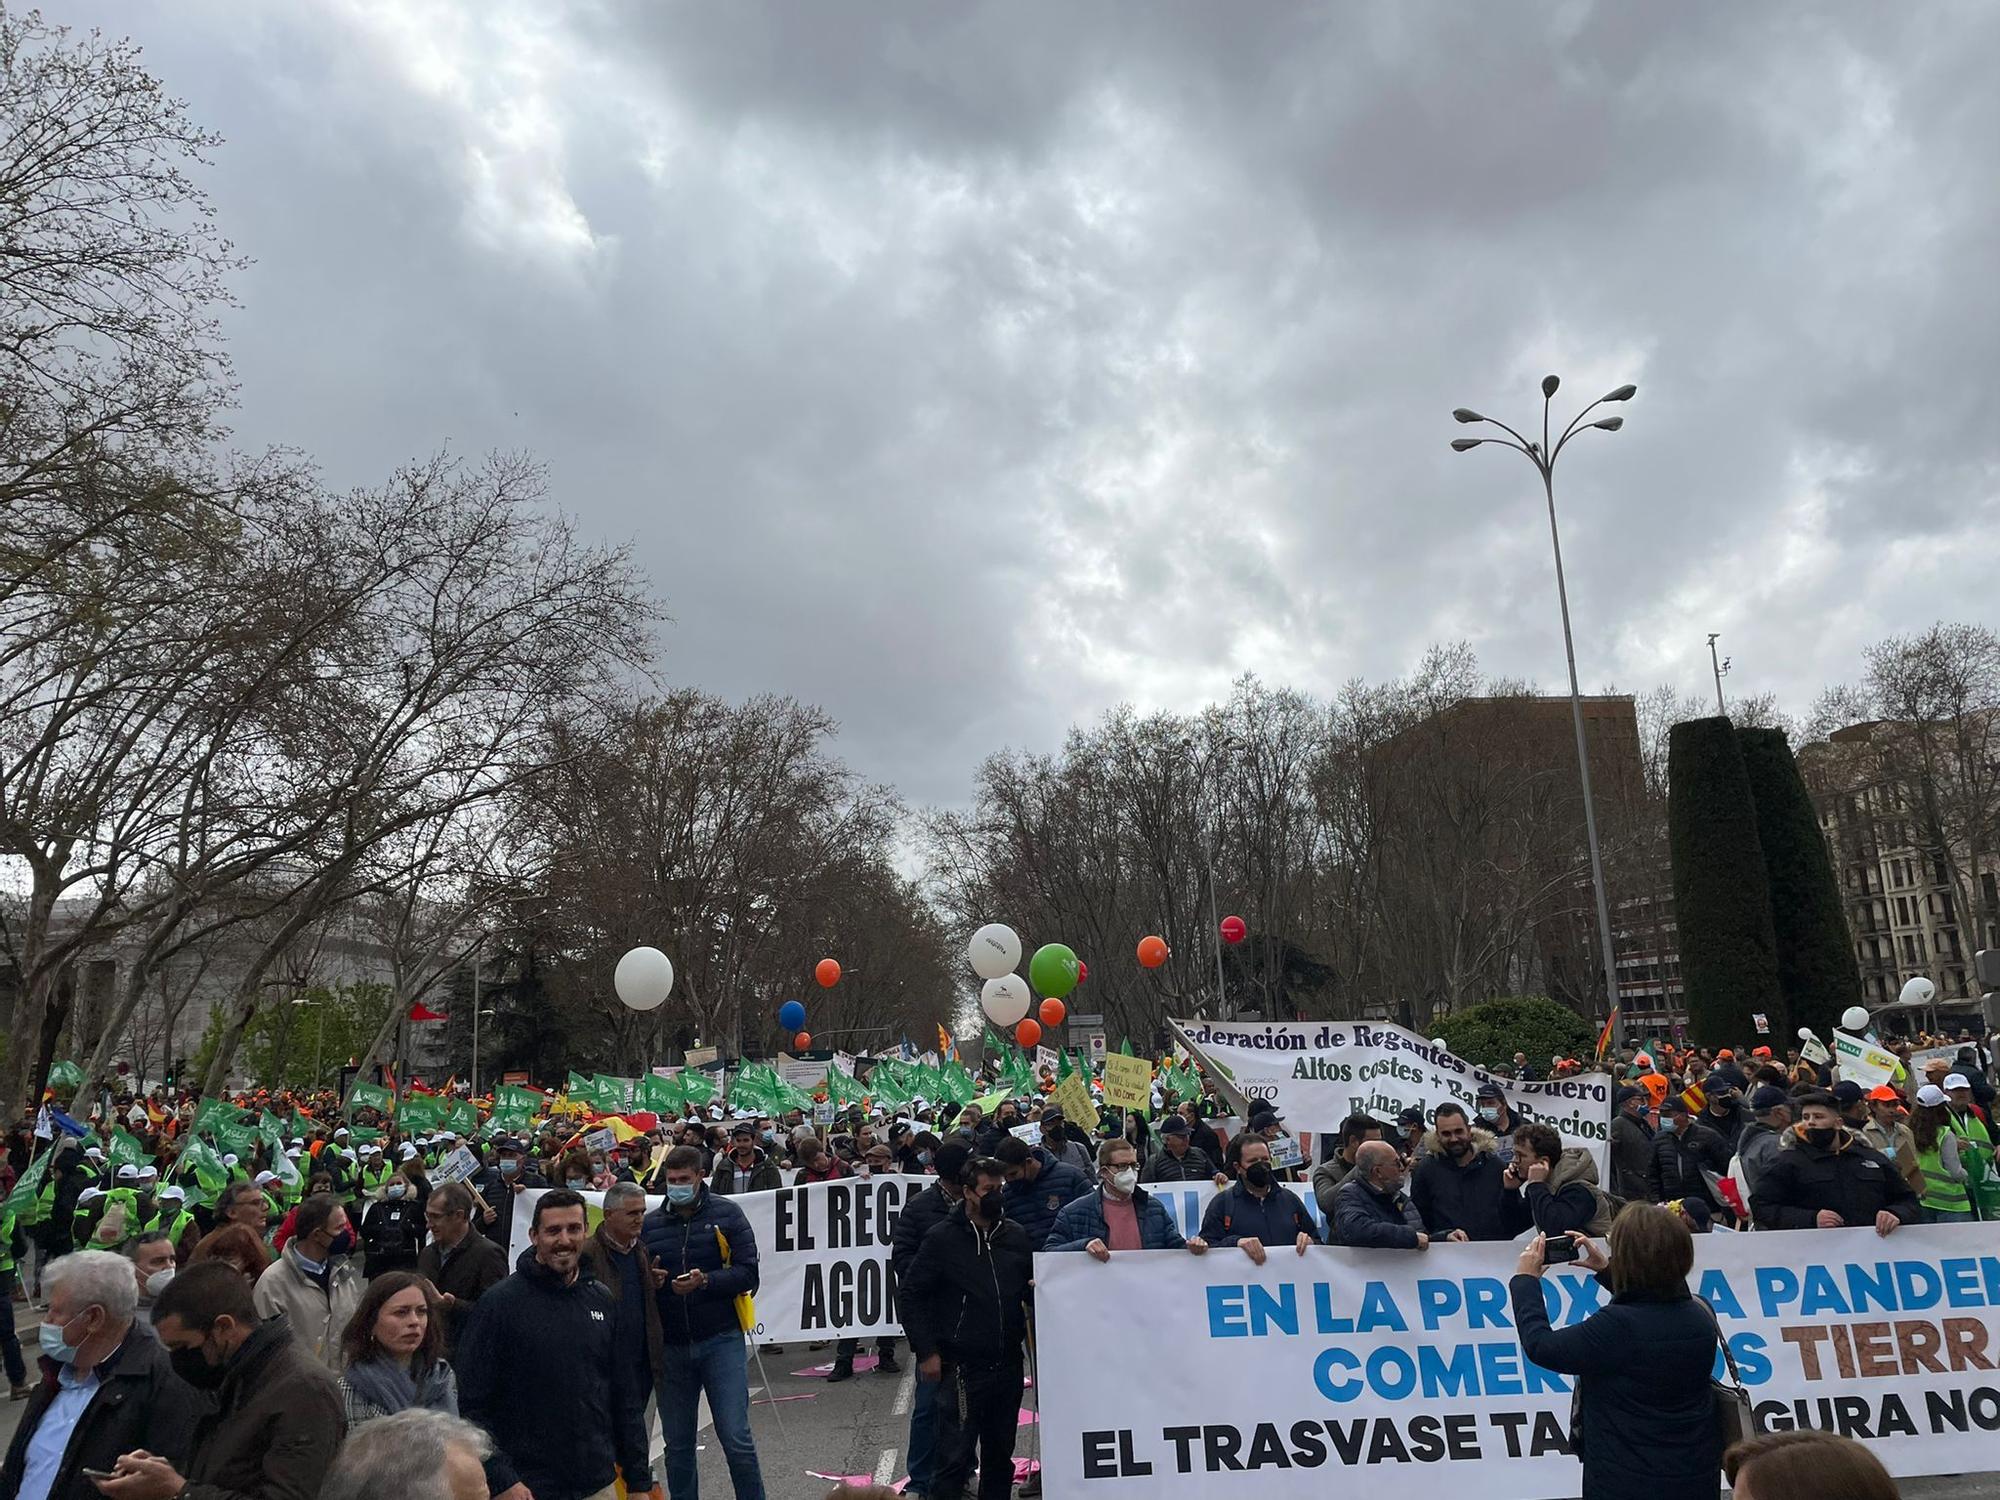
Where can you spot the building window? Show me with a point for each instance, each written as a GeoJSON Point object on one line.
{"type": "Point", "coordinates": [1903, 910]}
{"type": "Point", "coordinates": [1909, 950]}
{"type": "Point", "coordinates": [1950, 911]}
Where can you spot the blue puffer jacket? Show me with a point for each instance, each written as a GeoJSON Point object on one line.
{"type": "Point", "coordinates": [1034, 1205]}
{"type": "Point", "coordinates": [1083, 1221]}
{"type": "Point", "coordinates": [687, 1242]}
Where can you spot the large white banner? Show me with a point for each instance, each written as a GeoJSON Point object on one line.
{"type": "Point", "coordinates": [1320, 1072]}
{"type": "Point", "coordinates": [822, 1253]}
{"type": "Point", "coordinates": [1409, 1362]}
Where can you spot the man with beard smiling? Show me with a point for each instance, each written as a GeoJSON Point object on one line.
{"type": "Point", "coordinates": [1459, 1188]}
{"type": "Point", "coordinates": [539, 1369]}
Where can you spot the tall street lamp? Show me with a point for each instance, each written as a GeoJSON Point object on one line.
{"type": "Point", "coordinates": [1543, 456]}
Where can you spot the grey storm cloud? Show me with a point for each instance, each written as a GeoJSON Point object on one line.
{"type": "Point", "coordinates": [968, 368]}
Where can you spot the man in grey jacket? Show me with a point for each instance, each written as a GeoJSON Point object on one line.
{"type": "Point", "coordinates": [1764, 1136]}
{"type": "Point", "coordinates": [1370, 1210]}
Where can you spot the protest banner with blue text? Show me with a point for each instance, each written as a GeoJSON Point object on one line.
{"type": "Point", "coordinates": [1408, 1362]}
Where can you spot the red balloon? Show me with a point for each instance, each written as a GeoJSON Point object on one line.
{"type": "Point", "coordinates": [1234, 929]}
{"type": "Point", "coordinates": [827, 972]}
{"type": "Point", "coordinates": [802, 1041]}
{"type": "Point", "coordinates": [1082, 971]}
{"type": "Point", "coordinates": [1052, 1012]}
{"type": "Point", "coordinates": [1152, 952]}
{"type": "Point", "coordinates": [1028, 1033]}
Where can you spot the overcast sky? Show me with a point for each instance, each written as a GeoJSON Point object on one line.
{"type": "Point", "coordinates": [968, 368]}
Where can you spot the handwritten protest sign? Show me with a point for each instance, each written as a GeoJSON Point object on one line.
{"type": "Point", "coordinates": [1128, 1082]}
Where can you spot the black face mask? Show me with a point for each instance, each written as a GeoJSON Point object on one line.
{"type": "Point", "coordinates": [1258, 1174]}
{"type": "Point", "coordinates": [1822, 1137]}
{"type": "Point", "coordinates": [193, 1367]}
{"type": "Point", "coordinates": [988, 1208]}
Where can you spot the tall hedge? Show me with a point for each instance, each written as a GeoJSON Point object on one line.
{"type": "Point", "coordinates": [1722, 900]}
{"type": "Point", "coordinates": [1816, 967]}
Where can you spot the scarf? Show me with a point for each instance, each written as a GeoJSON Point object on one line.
{"type": "Point", "coordinates": [385, 1384]}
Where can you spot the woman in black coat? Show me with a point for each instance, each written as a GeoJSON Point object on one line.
{"type": "Point", "coordinates": [1643, 1363]}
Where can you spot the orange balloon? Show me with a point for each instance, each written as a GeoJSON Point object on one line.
{"type": "Point", "coordinates": [1027, 1033]}
{"type": "Point", "coordinates": [1152, 952]}
{"type": "Point", "coordinates": [802, 1041]}
{"type": "Point", "coordinates": [1052, 1012]}
{"type": "Point", "coordinates": [827, 972]}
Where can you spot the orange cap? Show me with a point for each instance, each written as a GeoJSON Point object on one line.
{"type": "Point", "coordinates": [1761, 1052]}
{"type": "Point", "coordinates": [1886, 1094]}
{"type": "Point", "coordinates": [1725, 1052]}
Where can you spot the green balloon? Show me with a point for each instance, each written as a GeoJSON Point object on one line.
{"type": "Point", "coordinates": [1052, 971]}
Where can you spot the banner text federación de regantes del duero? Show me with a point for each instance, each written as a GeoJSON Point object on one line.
{"type": "Point", "coordinates": [1167, 1375]}
{"type": "Point", "coordinates": [1320, 1072]}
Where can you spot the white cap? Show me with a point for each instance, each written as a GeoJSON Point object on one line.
{"type": "Point", "coordinates": [715, 1111]}
{"type": "Point", "coordinates": [371, 1149]}
{"type": "Point", "coordinates": [1931, 1096]}
{"type": "Point", "coordinates": [89, 1195]}
{"type": "Point", "coordinates": [1957, 1081]}
{"type": "Point", "coordinates": [128, 1173]}
{"type": "Point", "coordinates": [409, 1152]}
{"type": "Point", "coordinates": [264, 1177]}
{"type": "Point", "coordinates": [95, 1153]}
{"type": "Point", "coordinates": [146, 1170]}
{"type": "Point", "coordinates": [229, 1160]}
{"type": "Point", "coordinates": [296, 1143]}
{"type": "Point", "coordinates": [173, 1190]}
{"type": "Point", "coordinates": [340, 1133]}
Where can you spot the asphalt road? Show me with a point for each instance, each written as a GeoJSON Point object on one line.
{"type": "Point", "coordinates": [813, 1434]}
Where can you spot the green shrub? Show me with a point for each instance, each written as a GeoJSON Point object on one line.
{"type": "Point", "coordinates": [1494, 1030]}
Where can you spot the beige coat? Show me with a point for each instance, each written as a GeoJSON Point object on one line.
{"type": "Point", "coordinates": [317, 1318]}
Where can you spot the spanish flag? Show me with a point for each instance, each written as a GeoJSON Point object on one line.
{"type": "Point", "coordinates": [1604, 1036]}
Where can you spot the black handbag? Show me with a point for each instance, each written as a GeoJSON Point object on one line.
{"type": "Point", "coordinates": [1735, 1416]}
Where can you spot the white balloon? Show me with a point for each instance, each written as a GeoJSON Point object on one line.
{"type": "Point", "coordinates": [1854, 1018]}
{"type": "Point", "coordinates": [994, 950]}
{"type": "Point", "coordinates": [644, 978]}
{"type": "Point", "coordinates": [1005, 1000]}
{"type": "Point", "coordinates": [1806, 1034]}
{"type": "Point", "coordinates": [1918, 991]}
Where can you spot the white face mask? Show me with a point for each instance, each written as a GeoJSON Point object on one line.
{"type": "Point", "coordinates": [1124, 1180]}
{"type": "Point", "coordinates": [159, 1281]}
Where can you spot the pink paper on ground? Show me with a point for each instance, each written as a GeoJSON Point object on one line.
{"type": "Point", "coordinates": [1027, 1417]}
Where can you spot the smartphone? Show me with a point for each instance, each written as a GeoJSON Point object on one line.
{"type": "Point", "coordinates": [1561, 1250]}
{"type": "Point", "coordinates": [98, 1473]}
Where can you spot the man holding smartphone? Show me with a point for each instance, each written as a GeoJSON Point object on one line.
{"type": "Point", "coordinates": [704, 1258]}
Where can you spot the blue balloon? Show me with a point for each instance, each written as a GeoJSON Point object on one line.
{"type": "Point", "coordinates": [792, 1016]}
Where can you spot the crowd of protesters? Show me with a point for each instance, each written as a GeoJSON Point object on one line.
{"type": "Point", "coordinates": [254, 1323]}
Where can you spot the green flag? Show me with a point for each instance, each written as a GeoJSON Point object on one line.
{"type": "Point", "coordinates": [125, 1149]}
{"type": "Point", "coordinates": [272, 1131]}
{"type": "Point", "coordinates": [371, 1096]}
{"type": "Point", "coordinates": [995, 1047]}
{"type": "Point", "coordinates": [697, 1085]}
{"type": "Point", "coordinates": [1063, 1069]}
{"type": "Point", "coordinates": [513, 1096]}
{"type": "Point", "coordinates": [420, 1112]}
{"type": "Point", "coordinates": [661, 1095]}
{"type": "Point", "coordinates": [582, 1086]}
{"type": "Point", "coordinates": [461, 1117]}
{"type": "Point", "coordinates": [1125, 1047]}
{"type": "Point", "coordinates": [1020, 1077]}
{"type": "Point", "coordinates": [30, 1183]}
{"type": "Point", "coordinates": [210, 1175]}
{"type": "Point", "coordinates": [301, 1126]}
{"type": "Point", "coordinates": [362, 1135]}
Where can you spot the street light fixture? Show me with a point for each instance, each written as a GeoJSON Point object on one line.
{"type": "Point", "coordinates": [1543, 456]}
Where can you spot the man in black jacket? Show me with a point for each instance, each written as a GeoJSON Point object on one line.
{"type": "Point", "coordinates": [1724, 1112]}
{"type": "Point", "coordinates": [539, 1370]}
{"type": "Point", "coordinates": [463, 1265]}
{"type": "Point", "coordinates": [1459, 1187]}
{"type": "Point", "coordinates": [277, 1420]}
{"type": "Point", "coordinates": [707, 1257]}
{"type": "Point", "coordinates": [1178, 1159]}
{"type": "Point", "coordinates": [919, 1217]}
{"type": "Point", "coordinates": [1682, 1149]}
{"type": "Point", "coordinates": [1631, 1143]}
{"type": "Point", "coordinates": [1038, 1187]}
{"type": "Point", "coordinates": [1828, 1178]}
{"type": "Point", "coordinates": [498, 1183]}
{"type": "Point", "coordinates": [964, 1312]}
{"type": "Point", "coordinates": [1370, 1210]}
{"type": "Point", "coordinates": [135, 1400]}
